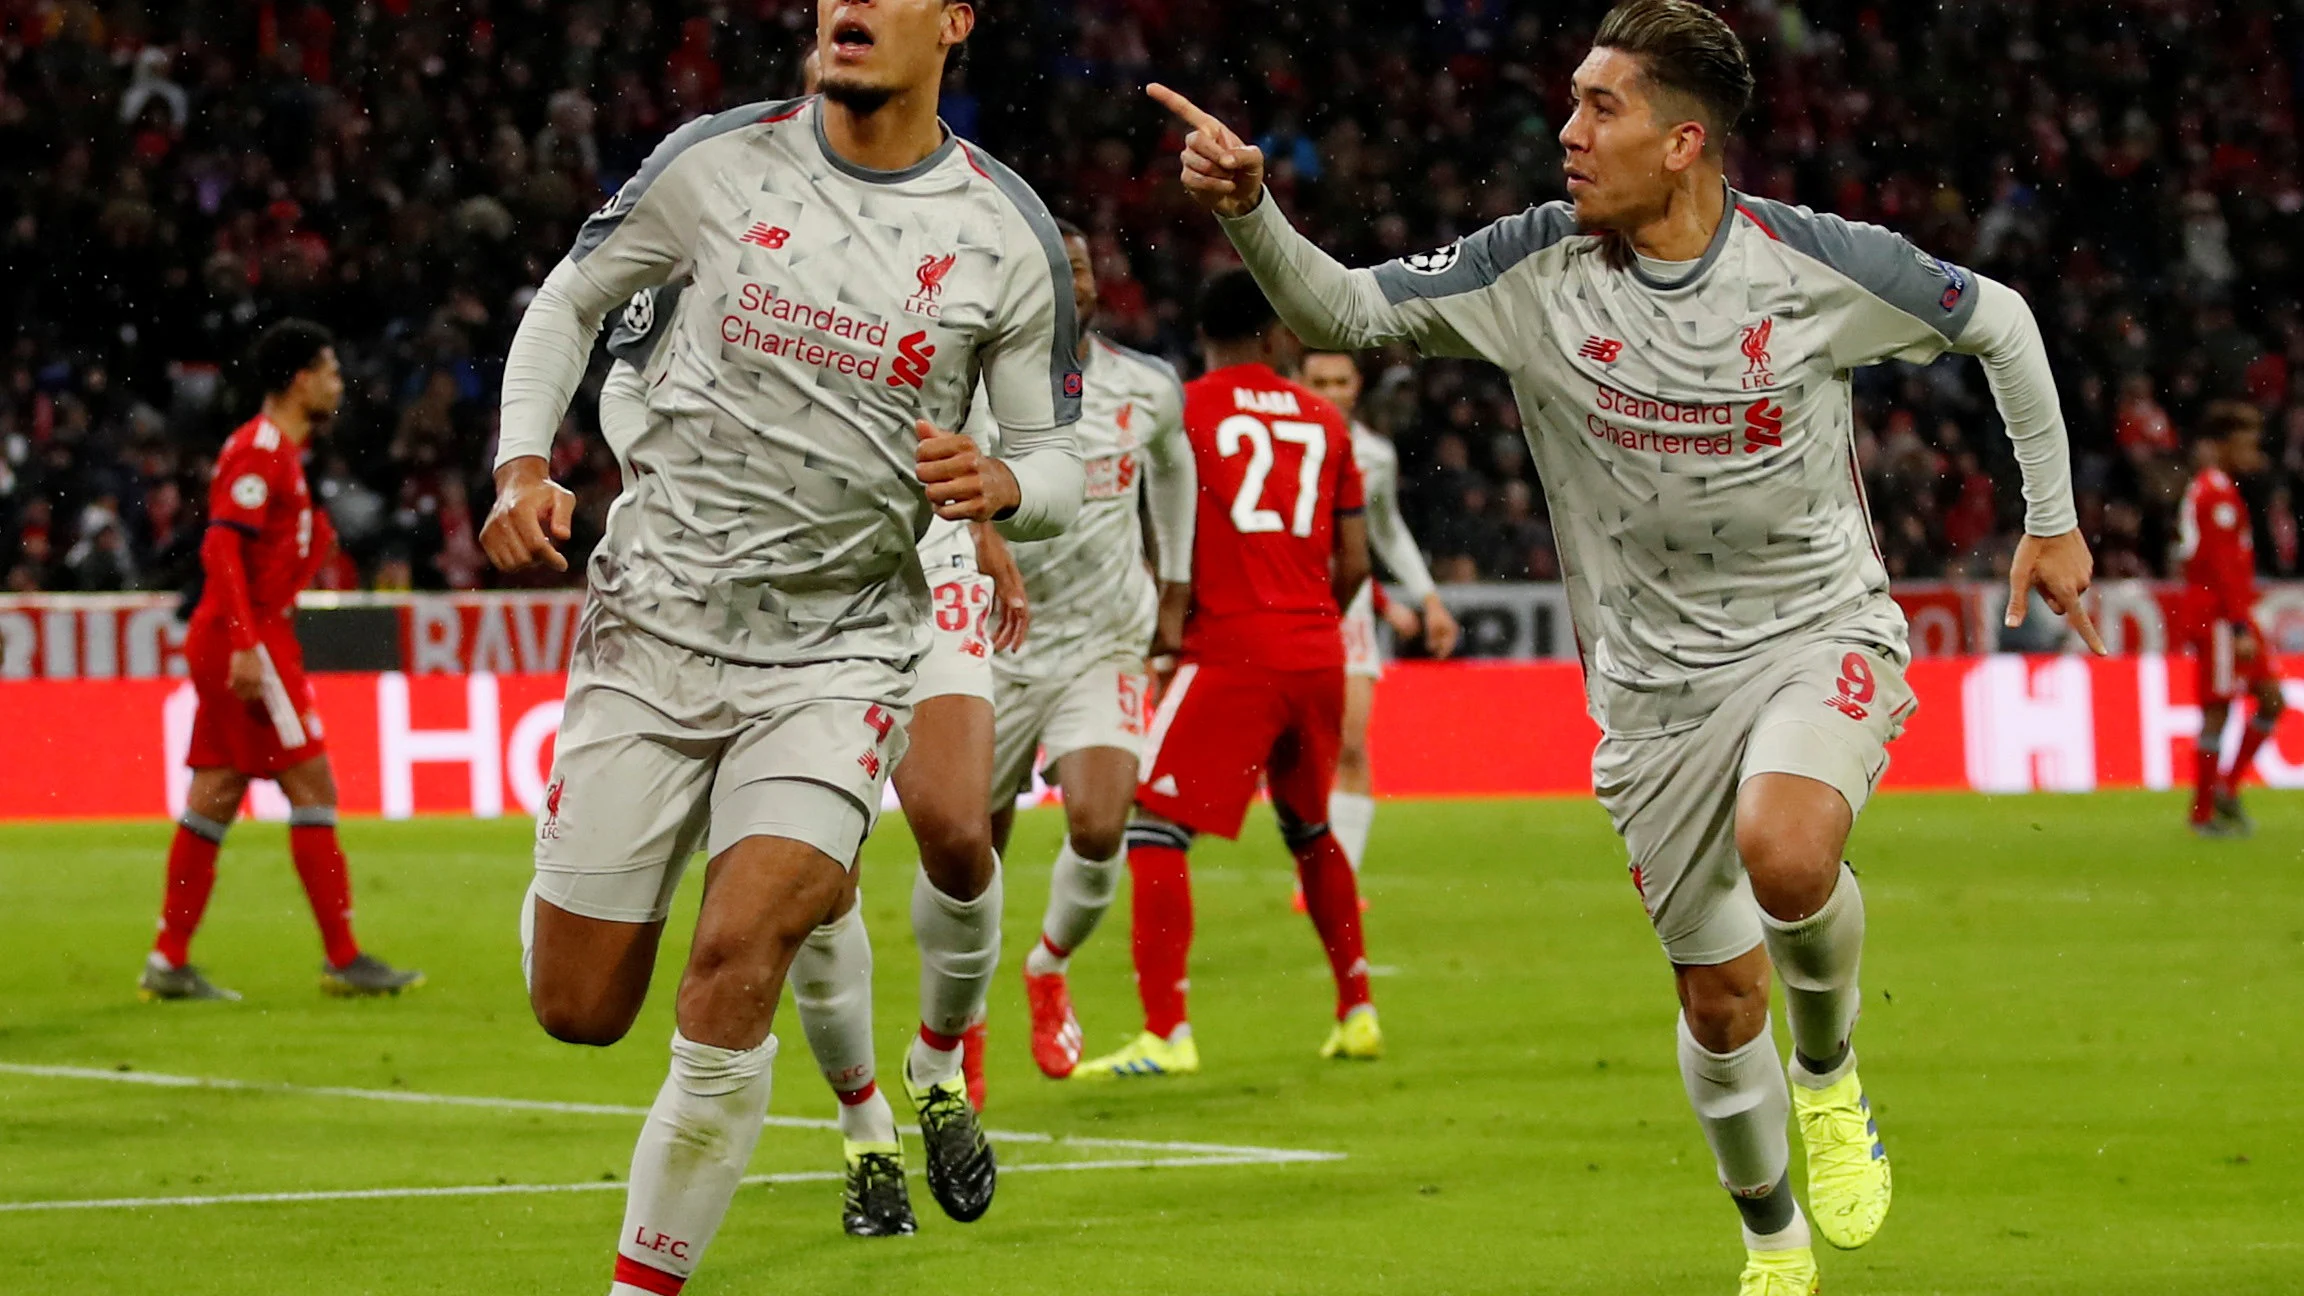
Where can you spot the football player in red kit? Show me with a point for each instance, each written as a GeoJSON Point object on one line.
{"type": "Point", "coordinates": [255, 717]}
{"type": "Point", "coordinates": [1279, 550]}
{"type": "Point", "coordinates": [2218, 617]}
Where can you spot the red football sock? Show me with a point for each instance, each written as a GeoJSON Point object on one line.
{"type": "Point", "coordinates": [1161, 936]}
{"type": "Point", "coordinates": [2252, 740]}
{"type": "Point", "coordinates": [191, 877]}
{"type": "Point", "coordinates": [2204, 778]}
{"type": "Point", "coordinates": [320, 865]}
{"type": "Point", "coordinates": [1332, 898]}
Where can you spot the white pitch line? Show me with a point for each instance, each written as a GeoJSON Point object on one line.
{"type": "Point", "coordinates": [1270, 1155]}
{"type": "Point", "coordinates": [600, 1185]}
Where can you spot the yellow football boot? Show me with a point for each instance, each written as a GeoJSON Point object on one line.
{"type": "Point", "coordinates": [1357, 1038]}
{"type": "Point", "coordinates": [1848, 1181]}
{"type": "Point", "coordinates": [1780, 1273]}
{"type": "Point", "coordinates": [1146, 1055]}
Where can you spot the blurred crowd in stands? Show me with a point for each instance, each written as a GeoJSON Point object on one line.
{"type": "Point", "coordinates": [173, 176]}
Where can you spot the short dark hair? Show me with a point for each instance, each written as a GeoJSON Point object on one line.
{"type": "Point", "coordinates": [2226, 418]}
{"type": "Point", "coordinates": [1688, 50]}
{"type": "Point", "coordinates": [1069, 230]}
{"type": "Point", "coordinates": [285, 350]}
{"type": "Point", "coordinates": [1233, 308]}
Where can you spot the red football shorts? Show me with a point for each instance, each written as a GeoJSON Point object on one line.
{"type": "Point", "coordinates": [2223, 675]}
{"type": "Point", "coordinates": [1222, 727]}
{"type": "Point", "coordinates": [260, 738]}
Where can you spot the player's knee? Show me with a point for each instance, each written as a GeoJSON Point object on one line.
{"type": "Point", "coordinates": [1299, 833]}
{"type": "Point", "coordinates": [1096, 833]}
{"type": "Point", "coordinates": [1792, 870]}
{"type": "Point", "coordinates": [597, 1019]}
{"type": "Point", "coordinates": [952, 845]}
{"type": "Point", "coordinates": [1724, 1013]}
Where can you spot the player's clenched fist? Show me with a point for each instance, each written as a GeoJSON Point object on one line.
{"type": "Point", "coordinates": [1223, 172]}
{"type": "Point", "coordinates": [964, 483]}
{"type": "Point", "coordinates": [532, 514]}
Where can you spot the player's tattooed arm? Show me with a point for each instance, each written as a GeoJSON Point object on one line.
{"type": "Point", "coordinates": [1353, 567]}
{"type": "Point", "coordinates": [1011, 609]}
{"type": "Point", "coordinates": [1168, 630]}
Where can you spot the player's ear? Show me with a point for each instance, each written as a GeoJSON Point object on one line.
{"type": "Point", "coordinates": [1684, 145]}
{"type": "Point", "coordinates": [959, 21]}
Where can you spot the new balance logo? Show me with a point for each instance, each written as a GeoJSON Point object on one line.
{"type": "Point", "coordinates": [912, 357]}
{"type": "Point", "coordinates": [1763, 426]}
{"type": "Point", "coordinates": [1604, 350]}
{"type": "Point", "coordinates": [765, 235]}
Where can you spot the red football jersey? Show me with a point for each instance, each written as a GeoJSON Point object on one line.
{"type": "Point", "coordinates": [2218, 549]}
{"type": "Point", "coordinates": [259, 492]}
{"type": "Point", "coordinates": [1276, 468]}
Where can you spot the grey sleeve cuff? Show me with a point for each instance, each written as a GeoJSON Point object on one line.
{"type": "Point", "coordinates": [1049, 482]}
{"type": "Point", "coordinates": [2003, 334]}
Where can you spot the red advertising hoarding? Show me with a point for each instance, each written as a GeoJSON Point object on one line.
{"type": "Point", "coordinates": [481, 743]}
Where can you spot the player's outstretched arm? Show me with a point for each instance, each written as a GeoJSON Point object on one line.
{"type": "Point", "coordinates": [1326, 304]}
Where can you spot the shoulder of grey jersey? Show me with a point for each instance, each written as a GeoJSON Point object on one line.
{"type": "Point", "coordinates": [1160, 368]}
{"type": "Point", "coordinates": [1372, 446]}
{"type": "Point", "coordinates": [1881, 261]}
{"type": "Point", "coordinates": [1064, 357]}
{"type": "Point", "coordinates": [1479, 258]}
{"type": "Point", "coordinates": [602, 223]}
{"type": "Point", "coordinates": [640, 325]}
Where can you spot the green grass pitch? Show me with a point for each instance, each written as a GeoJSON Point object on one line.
{"type": "Point", "coordinates": [2082, 1031]}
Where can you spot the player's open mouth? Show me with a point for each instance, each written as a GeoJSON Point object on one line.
{"type": "Point", "coordinates": [851, 37]}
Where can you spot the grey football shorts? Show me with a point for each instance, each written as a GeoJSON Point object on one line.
{"type": "Point", "coordinates": [1823, 710]}
{"type": "Point", "coordinates": [1043, 720]}
{"type": "Point", "coordinates": [664, 751]}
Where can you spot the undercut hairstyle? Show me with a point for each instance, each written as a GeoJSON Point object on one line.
{"type": "Point", "coordinates": [1688, 51]}
{"type": "Point", "coordinates": [285, 350]}
{"type": "Point", "coordinates": [1234, 309]}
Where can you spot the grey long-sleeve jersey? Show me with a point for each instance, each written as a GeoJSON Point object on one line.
{"type": "Point", "coordinates": [1092, 595]}
{"type": "Point", "coordinates": [772, 504]}
{"type": "Point", "coordinates": [1695, 438]}
{"type": "Point", "coordinates": [1388, 535]}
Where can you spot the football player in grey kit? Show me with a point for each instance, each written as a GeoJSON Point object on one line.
{"type": "Point", "coordinates": [941, 782]}
{"type": "Point", "coordinates": [757, 603]}
{"type": "Point", "coordinates": [1681, 355]}
{"type": "Point", "coordinates": [1074, 701]}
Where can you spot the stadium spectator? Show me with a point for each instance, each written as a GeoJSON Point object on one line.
{"type": "Point", "coordinates": [177, 175]}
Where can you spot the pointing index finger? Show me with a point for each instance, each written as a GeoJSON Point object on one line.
{"type": "Point", "coordinates": [2079, 620]}
{"type": "Point", "coordinates": [1188, 112]}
